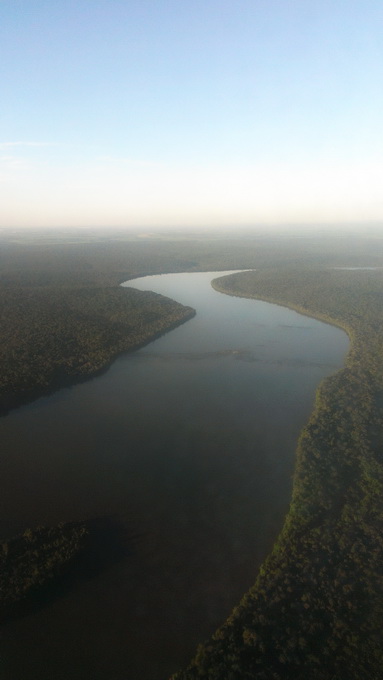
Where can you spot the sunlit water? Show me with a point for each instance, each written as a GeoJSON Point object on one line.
{"type": "Point", "coordinates": [190, 443]}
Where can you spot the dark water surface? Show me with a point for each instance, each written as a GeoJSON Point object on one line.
{"type": "Point", "coordinates": [189, 443]}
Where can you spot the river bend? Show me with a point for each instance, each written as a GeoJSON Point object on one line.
{"type": "Point", "coordinates": [189, 442]}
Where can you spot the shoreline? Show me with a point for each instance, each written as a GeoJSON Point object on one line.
{"type": "Point", "coordinates": [316, 595]}
{"type": "Point", "coordinates": [316, 410]}
{"type": "Point", "coordinates": [303, 311]}
{"type": "Point", "coordinates": [10, 402]}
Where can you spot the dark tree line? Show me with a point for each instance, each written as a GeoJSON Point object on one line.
{"type": "Point", "coordinates": [28, 561]}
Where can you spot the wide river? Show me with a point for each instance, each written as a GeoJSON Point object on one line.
{"type": "Point", "coordinates": [189, 443]}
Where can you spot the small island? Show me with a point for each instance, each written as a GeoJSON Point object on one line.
{"type": "Point", "coordinates": [30, 561]}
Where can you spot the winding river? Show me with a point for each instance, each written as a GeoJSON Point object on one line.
{"type": "Point", "coordinates": [189, 443]}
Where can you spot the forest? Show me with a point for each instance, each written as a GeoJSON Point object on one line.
{"type": "Point", "coordinates": [28, 561]}
{"type": "Point", "coordinates": [52, 336]}
{"type": "Point", "coordinates": [316, 609]}
{"type": "Point", "coordinates": [64, 318]}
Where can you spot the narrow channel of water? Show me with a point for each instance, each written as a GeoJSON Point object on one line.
{"type": "Point", "coordinates": [189, 443]}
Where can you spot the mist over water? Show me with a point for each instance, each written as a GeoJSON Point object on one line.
{"type": "Point", "coordinates": [189, 443]}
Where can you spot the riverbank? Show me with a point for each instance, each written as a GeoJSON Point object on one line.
{"type": "Point", "coordinates": [56, 336]}
{"type": "Point", "coordinates": [29, 561]}
{"type": "Point", "coordinates": [316, 607]}
{"type": "Point", "coordinates": [231, 289]}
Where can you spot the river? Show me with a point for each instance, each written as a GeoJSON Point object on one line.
{"type": "Point", "coordinates": [189, 443]}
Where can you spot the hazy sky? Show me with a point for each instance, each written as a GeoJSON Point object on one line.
{"type": "Point", "coordinates": [153, 113]}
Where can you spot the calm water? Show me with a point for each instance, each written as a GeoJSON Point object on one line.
{"type": "Point", "coordinates": [189, 442]}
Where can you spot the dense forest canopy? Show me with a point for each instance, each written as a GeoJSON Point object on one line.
{"type": "Point", "coordinates": [53, 335]}
{"type": "Point", "coordinates": [28, 561]}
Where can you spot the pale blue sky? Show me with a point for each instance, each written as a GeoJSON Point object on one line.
{"type": "Point", "coordinates": [157, 113]}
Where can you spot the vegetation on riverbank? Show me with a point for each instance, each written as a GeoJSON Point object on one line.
{"type": "Point", "coordinates": [316, 609]}
{"type": "Point", "coordinates": [28, 561]}
{"type": "Point", "coordinates": [42, 564]}
{"type": "Point", "coordinates": [63, 317]}
{"type": "Point", "coordinates": [50, 336]}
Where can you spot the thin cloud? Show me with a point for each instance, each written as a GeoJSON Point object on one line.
{"type": "Point", "coordinates": [10, 168]}
{"type": "Point", "coordinates": [129, 161]}
{"type": "Point", "coordinates": [12, 160]}
{"type": "Point", "coordinates": [6, 145]}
